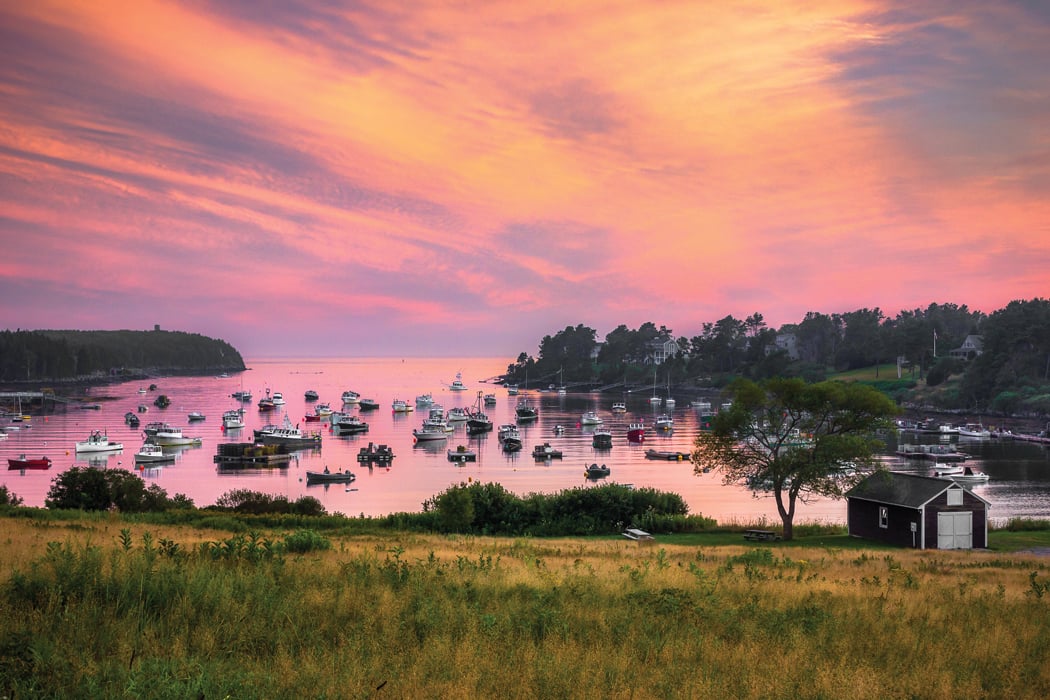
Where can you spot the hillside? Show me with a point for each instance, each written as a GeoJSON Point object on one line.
{"type": "Point", "coordinates": [66, 355]}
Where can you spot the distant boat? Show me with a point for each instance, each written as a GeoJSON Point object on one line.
{"type": "Point", "coordinates": [368, 404]}
{"type": "Point", "coordinates": [23, 462]}
{"type": "Point", "coordinates": [98, 442]}
{"type": "Point", "coordinates": [590, 418]}
{"type": "Point", "coordinates": [664, 422]}
{"type": "Point", "coordinates": [619, 407]}
{"type": "Point", "coordinates": [343, 477]}
{"type": "Point", "coordinates": [195, 416]}
{"type": "Point", "coordinates": [401, 406]}
{"type": "Point", "coordinates": [429, 433]}
{"type": "Point", "coordinates": [457, 383]}
{"type": "Point", "coordinates": [351, 397]}
{"type": "Point", "coordinates": [311, 395]}
{"type": "Point", "coordinates": [594, 471]}
{"type": "Point", "coordinates": [233, 419]}
{"type": "Point", "coordinates": [171, 436]}
{"type": "Point", "coordinates": [546, 451]}
{"type": "Point", "coordinates": [526, 411]}
{"type": "Point", "coordinates": [462, 454]}
{"type": "Point", "coordinates": [278, 398]}
{"type": "Point", "coordinates": [602, 439]}
{"type": "Point", "coordinates": [636, 432]}
{"type": "Point", "coordinates": [152, 453]}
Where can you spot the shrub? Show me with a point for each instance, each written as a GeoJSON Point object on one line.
{"type": "Point", "coordinates": [303, 541]}
{"type": "Point", "coordinates": [7, 498]}
{"type": "Point", "coordinates": [91, 488]}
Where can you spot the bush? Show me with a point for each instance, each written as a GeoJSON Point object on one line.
{"type": "Point", "coordinates": [303, 541]}
{"type": "Point", "coordinates": [91, 488]}
{"type": "Point", "coordinates": [7, 498]}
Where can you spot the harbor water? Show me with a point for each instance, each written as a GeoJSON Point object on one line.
{"type": "Point", "coordinates": [1019, 484]}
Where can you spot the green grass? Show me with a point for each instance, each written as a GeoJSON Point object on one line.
{"type": "Point", "coordinates": [112, 610]}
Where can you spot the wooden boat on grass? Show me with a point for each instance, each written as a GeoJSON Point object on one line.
{"type": "Point", "coordinates": [328, 477]}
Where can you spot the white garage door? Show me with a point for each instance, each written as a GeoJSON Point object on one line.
{"type": "Point", "coordinates": [955, 530]}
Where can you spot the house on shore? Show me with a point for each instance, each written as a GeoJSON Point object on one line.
{"type": "Point", "coordinates": [917, 511]}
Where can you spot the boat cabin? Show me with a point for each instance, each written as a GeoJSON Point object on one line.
{"type": "Point", "coordinates": [917, 511]}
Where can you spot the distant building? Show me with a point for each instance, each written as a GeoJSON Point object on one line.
{"type": "Point", "coordinates": [788, 342]}
{"type": "Point", "coordinates": [661, 349]}
{"type": "Point", "coordinates": [972, 347]}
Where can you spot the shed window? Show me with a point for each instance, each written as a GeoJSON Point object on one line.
{"type": "Point", "coordinates": [955, 497]}
{"type": "Point", "coordinates": [884, 516]}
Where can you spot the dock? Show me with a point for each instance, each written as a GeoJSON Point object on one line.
{"type": "Point", "coordinates": [936, 453]}
{"type": "Point", "coordinates": [235, 455]}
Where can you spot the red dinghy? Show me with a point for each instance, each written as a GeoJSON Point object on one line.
{"type": "Point", "coordinates": [23, 462]}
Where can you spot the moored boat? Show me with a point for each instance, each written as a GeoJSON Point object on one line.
{"type": "Point", "coordinates": [328, 477]}
{"type": "Point", "coordinates": [526, 411]}
{"type": "Point", "coordinates": [663, 422]}
{"type": "Point", "coordinates": [619, 407]}
{"type": "Point", "coordinates": [381, 454]}
{"type": "Point", "coordinates": [23, 462]}
{"type": "Point", "coordinates": [636, 432]}
{"type": "Point", "coordinates": [666, 454]}
{"type": "Point", "coordinates": [368, 404]}
{"type": "Point", "coordinates": [170, 436]}
{"type": "Point", "coordinates": [152, 453]}
{"type": "Point", "coordinates": [428, 433]}
{"type": "Point", "coordinates": [286, 434]}
{"type": "Point", "coordinates": [195, 416]}
{"type": "Point", "coordinates": [311, 395]}
{"type": "Point", "coordinates": [462, 454]}
{"type": "Point", "coordinates": [602, 439]}
{"type": "Point", "coordinates": [350, 425]}
{"type": "Point", "coordinates": [590, 418]}
{"type": "Point", "coordinates": [233, 419]}
{"type": "Point", "coordinates": [98, 441]}
{"type": "Point", "coordinates": [546, 451]}
{"type": "Point", "coordinates": [350, 397]}
{"type": "Point", "coordinates": [593, 471]}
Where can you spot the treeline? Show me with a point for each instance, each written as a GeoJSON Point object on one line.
{"type": "Point", "coordinates": [1009, 372]}
{"type": "Point", "coordinates": [65, 355]}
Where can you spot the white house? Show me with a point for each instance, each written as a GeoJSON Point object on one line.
{"type": "Point", "coordinates": [972, 347]}
{"type": "Point", "coordinates": [661, 349]}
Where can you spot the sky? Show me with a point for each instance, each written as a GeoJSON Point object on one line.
{"type": "Point", "coordinates": [327, 178]}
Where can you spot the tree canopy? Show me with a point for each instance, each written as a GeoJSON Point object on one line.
{"type": "Point", "coordinates": [794, 439]}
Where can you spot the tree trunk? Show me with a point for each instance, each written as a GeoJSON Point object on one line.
{"type": "Point", "coordinates": [787, 515]}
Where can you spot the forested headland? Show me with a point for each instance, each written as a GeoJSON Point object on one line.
{"type": "Point", "coordinates": [945, 355]}
{"type": "Point", "coordinates": [65, 355]}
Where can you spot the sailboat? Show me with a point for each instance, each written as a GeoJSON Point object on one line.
{"type": "Point", "coordinates": [669, 402]}
{"type": "Point", "coordinates": [654, 400]}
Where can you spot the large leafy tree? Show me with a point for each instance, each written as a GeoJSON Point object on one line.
{"type": "Point", "coordinates": [794, 439]}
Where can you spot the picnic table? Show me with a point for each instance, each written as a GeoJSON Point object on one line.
{"type": "Point", "coordinates": [638, 535]}
{"type": "Point", "coordinates": [761, 535]}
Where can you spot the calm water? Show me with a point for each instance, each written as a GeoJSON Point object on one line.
{"type": "Point", "coordinates": [1020, 484]}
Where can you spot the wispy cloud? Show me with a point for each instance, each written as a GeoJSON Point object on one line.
{"type": "Point", "coordinates": [507, 169]}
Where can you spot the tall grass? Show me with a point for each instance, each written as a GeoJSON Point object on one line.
{"type": "Point", "coordinates": [122, 611]}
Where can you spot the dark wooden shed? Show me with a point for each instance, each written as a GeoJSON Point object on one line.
{"type": "Point", "coordinates": [917, 511]}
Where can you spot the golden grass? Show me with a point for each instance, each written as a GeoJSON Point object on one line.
{"type": "Point", "coordinates": [459, 616]}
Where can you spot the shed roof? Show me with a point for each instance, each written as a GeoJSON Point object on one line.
{"type": "Point", "coordinates": [907, 490]}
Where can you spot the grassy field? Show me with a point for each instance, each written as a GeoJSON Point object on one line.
{"type": "Point", "coordinates": [107, 608]}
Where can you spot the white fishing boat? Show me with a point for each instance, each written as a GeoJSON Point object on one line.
{"type": "Point", "coordinates": [428, 433]}
{"type": "Point", "coordinates": [278, 398]}
{"type": "Point", "coordinates": [590, 418]}
{"type": "Point", "coordinates": [457, 383]}
{"type": "Point", "coordinates": [619, 407]}
{"type": "Point", "coordinates": [98, 441]}
{"type": "Point", "coordinates": [170, 436]}
{"type": "Point", "coordinates": [401, 406]}
{"type": "Point", "coordinates": [663, 422]}
{"type": "Point", "coordinates": [233, 419]}
{"type": "Point", "coordinates": [351, 397]}
{"type": "Point", "coordinates": [152, 453]}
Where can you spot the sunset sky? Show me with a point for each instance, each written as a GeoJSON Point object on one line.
{"type": "Point", "coordinates": [461, 178]}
